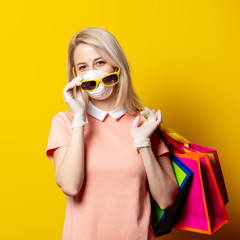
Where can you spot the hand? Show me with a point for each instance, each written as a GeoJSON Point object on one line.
{"type": "Point", "coordinates": [76, 105]}
{"type": "Point", "coordinates": [142, 134]}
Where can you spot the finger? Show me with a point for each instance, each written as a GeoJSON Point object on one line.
{"type": "Point", "coordinates": [143, 112]}
{"type": "Point", "coordinates": [73, 83]}
{"type": "Point", "coordinates": [70, 85]}
{"type": "Point", "coordinates": [80, 77]}
{"type": "Point", "coordinates": [151, 114]}
{"type": "Point", "coordinates": [135, 122]}
{"type": "Point", "coordinates": [148, 110]}
{"type": "Point", "coordinates": [79, 94]}
{"type": "Point", "coordinates": [77, 79]}
{"type": "Point", "coordinates": [78, 83]}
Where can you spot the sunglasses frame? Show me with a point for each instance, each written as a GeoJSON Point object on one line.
{"type": "Point", "coordinates": [99, 80]}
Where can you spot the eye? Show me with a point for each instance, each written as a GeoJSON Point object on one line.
{"type": "Point", "coordinates": [80, 68]}
{"type": "Point", "coordinates": [101, 62]}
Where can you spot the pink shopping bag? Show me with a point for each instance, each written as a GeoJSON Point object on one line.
{"type": "Point", "coordinates": [203, 210]}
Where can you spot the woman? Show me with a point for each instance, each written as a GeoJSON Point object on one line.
{"type": "Point", "coordinates": [105, 152]}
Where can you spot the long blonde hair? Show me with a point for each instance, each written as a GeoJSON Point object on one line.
{"type": "Point", "coordinates": [110, 50]}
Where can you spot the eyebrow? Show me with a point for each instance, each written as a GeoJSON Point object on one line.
{"type": "Point", "coordinates": [94, 60]}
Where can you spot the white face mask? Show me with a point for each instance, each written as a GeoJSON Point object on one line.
{"type": "Point", "coordinates": [102, 91]}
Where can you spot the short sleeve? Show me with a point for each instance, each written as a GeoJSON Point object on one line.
{"type": "Point", "coordinates": [60, 133]}
{"type": "Point", "coordinates": [158, 146]}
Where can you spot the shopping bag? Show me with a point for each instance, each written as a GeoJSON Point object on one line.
{"type": "Point", "coordinates": [176, 142]}
{"type": "Point", "coordinates": [215, 163]}
{"type": "Point", "coordinates": [163, 220]}
{"type": "Point", "coordinates": [172, 144]}
{"type": "Point", "coordinates": [203, 210]}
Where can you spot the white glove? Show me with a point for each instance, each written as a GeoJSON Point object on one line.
{"type": "Point", "coordinates": [76, 105]}
{"type": "Point", "coordinates": [142, 134]}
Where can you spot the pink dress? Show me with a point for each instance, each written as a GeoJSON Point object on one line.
{"type": "Point", "coordinates": [114, 202]}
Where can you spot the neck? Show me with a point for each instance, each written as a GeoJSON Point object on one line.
{"type": "Point", "coordinates": [106, 104]}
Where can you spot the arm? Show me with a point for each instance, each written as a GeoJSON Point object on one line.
{"type": "Point", "coordinates": [161, 178]}
{"type": "Point", "coordinates": [70, 162]}
{"type": "Point", "coordinates": [69, 165]}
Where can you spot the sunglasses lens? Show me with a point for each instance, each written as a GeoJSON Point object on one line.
{"type": "Point", "coordinates": [109, 80]}
{"type": "Point", "coordinates": [90, 85]}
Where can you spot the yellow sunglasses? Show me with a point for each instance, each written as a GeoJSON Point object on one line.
{"type": "Point", "coordinates": [108, 80]}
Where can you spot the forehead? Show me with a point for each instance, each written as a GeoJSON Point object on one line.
{"type": "Point", "coordinates": [84, 52]}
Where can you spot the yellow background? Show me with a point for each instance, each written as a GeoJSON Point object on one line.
{"type": "Point", "coordinates": [184, 60]}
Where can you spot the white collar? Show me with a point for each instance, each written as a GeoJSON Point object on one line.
{"type": "Point", "coordinates": [101, 114]}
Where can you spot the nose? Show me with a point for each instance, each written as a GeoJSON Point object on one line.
{"type": "Point", "coordinates": [91, 68]}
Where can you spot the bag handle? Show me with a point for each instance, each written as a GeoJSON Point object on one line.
{"type": "Point", "coordinates": [173, 134]}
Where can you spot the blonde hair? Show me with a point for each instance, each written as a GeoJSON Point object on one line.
{"type": "Point", "coordinates": [110, 50]}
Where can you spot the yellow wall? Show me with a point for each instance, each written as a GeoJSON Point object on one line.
{"type": "Point", "coordinates": [184, 58]}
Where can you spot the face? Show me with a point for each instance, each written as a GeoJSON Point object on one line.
{"type": "Point", "coordinates": [87, 58]}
